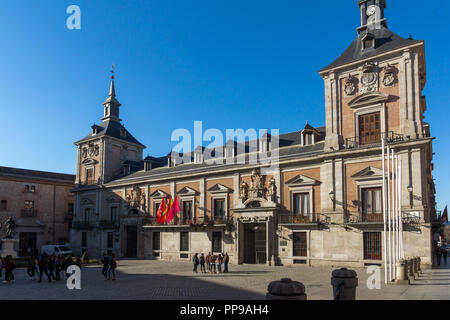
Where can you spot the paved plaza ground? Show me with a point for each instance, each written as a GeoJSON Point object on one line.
{"type": "Point", "coordinates": [157, 280]}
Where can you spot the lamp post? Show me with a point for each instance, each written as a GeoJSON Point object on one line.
{"type": "Point", "coordinates": [410, 190]}
{"type": "Point", "coordinates": [333, 198]}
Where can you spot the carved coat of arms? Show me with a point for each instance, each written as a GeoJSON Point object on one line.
{"type": "Point", "coordinates": [136, 199]}
{"type": "Point", "coordinates": [389, 76]}
{"type": "Point", "coordinates": [369, 78]}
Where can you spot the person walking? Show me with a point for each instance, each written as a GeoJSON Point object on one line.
{"type": "Point", "coordinates": [105, 261]}
{"type": "Point", "coordinates": [208, 262]}
{"type": "Point", "coordinates": [196, 262]}
{"type": "Point", "coordinates": [52, 267]}
{"type": "Point", "coordinates": [36, 267]}
{"type": "Point", "coordinates": [9, 267]}
{"type": "Point", "coordinates": [1, 266]}
{"type": "Point", "coordinates": [444, 254]}
{"type": "Point", "coordinates": [78, 261]}
{"type": "Point", "coordinates": [60, 268]}
{"type": "Point", "coordinates": [219, 263]}
{"type": "Point", "coordinates": [31, 267]}
{"type": "Point", "coordinates": [43, 267]}
{"type": "Point", "coordinates": [226, 260]}
{"type": "Point", "coordinates": [438, 255]}
{"type": "Point", "coordinates": [202, 263]}
{"type": "Point", "coordinates": [67, 263]}
{"type": "Point", "coordinates": [112, 267]}
{"type": "Point", "coordinates": [213, 263]}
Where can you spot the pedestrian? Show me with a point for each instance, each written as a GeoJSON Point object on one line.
{"type": "Point", "coordinates": [213, 263]}
{"type": "Point", "coordinates": [112, 267]}
{"type": "Point", "coordinates": [58, 267]}
{"type": "Point", "coordinates": [105, 261]}
{"type": "Point", "coordinates": [52, 267]}
{"type": "Point", "coordinates": [444, 254]}
{"type": "Point", "coordinates": [43, 267]}
{"type": "Point", "coordinates": [9, 267]}
{"type": "Point", "coordinates": [208, 261]}
{"type": "Point", "coordinates": [36, 266]}
{"type": "Point", "coordinates": [226, 260]}
{"type": "Point", "coordinates": [219, 263]}
{"type": "Point", "coordinates": [78, 261]}
{"type": "Point", "coordinates": [202, 263]}
{"type": "Point", "coordinates": [196, 262]}
{"type": "Point", "coordinates": [31, 267]}
{"type": "Point", "coordinates": [67, 263]}
{"type": "Point", "coordinates": [1, 266]}
{"type": "Point", "coordinates": [438, 255]}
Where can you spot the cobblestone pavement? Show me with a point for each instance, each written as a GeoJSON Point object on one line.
{"type": "Point", "coordinates": [157, 280]}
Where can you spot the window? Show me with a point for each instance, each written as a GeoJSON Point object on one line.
{"type": "Point", "coordinates": [113, 216]}
{"type": "Point", "coordinates": [370, 128]}
{"type": "Point", "coordinates": [308, 139]}
{"type": "Point", "coordinates": [4, 205]}
{"type": "Point", "coordinates": [299, 244]}
{"type": "Point", "coordinates": [89, 176]}
{"type": "Point", "coordinates": [184, 241]}
{"type": "Point", "coordinates": [156, 241]}
{"type": "Point", "coordinates": [217, 242]}
{"type": "Point", "coordinates": [70, 210]}
{"type": "Point", "coordinates": [84, 239]}
{"type": "Point", "coordinates": [187, 210]}
{"type": "Point", "coordinates": [219, 208]}
{"type": "Point", "coordinates": [372, 203]}
{"type": "Point", "coordinates": [109, 240]}
{"type": "Point", "coordinates": [156, 207]}
{"type": "Point", "coordinates": [372, 245]}
{"type": "Point", "coordinates": [301, 204]}
{"type": "Point", "coordinates": [87, 213]}
{"type": "Point", "coordinates": [33, 189]}
{"type": "Point", "coordinates": [27, 188]}
{"type": "Point", "coordinates": [29, 204]}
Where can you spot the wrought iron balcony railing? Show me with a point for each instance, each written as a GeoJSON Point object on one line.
{"type": "Point", "coordinates": [372, 140]}
{"type": "Point", "coordinates": [28, 213]}
{"type": "Point", "coordinates": [84, 225]}
{"type": "Point", "coordinates": [106, 224]}
{"type": "Point", "coordinates": [183, 221]}
{"type": "Point", "coordinates": [289, 218]}
{"type": "Point", "coordinates": [365, 218]}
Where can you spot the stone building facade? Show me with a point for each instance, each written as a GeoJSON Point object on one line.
{"type": "Point", "coordinates": [40, 203]}
{"type": "Point", "coordinates": [318, 205]}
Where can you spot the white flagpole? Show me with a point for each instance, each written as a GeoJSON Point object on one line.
{"type": "Point", "coordinates": [394, 224]}
{"type": "Point", "coordinates": [383, 164]}
{"type": "Point", "coordinates": [389, 211]}
{"type": "Point", "coordinates": [402, 249]}
{"type": "Point", "coordinates": [397, 213]}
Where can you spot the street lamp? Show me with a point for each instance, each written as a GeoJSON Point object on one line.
{"type": "Point", "coordinates": [332, 195]}
{"type": "Point", "coordinates": [410, 190]}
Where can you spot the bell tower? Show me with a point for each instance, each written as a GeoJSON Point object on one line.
{"type": "Point", "coordinates": [372, 14]}
{"type": "Point", "coordinates": [111, 104]}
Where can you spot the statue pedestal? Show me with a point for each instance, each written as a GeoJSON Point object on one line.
{"type": "Point", "coordinates": [8, 248]}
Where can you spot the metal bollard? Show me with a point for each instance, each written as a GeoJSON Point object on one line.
{"type": "Point", "coordinates": [344, 282]}
{"type": "Point", "coordinates": [286, 289]}
{"type": "Point", "coordinates": [411, 269]}
{"type": "Point", "coordinates": [402, 272]}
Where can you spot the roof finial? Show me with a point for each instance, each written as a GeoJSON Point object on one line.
{"type": "Point", "coordinates": [112, 72]}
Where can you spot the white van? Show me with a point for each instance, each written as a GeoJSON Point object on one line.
{"type": "Point", "coordinates": [57, 250]}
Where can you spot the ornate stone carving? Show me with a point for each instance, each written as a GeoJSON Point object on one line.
{"type": "Point", "coordinates": [350, 85]}
{"type": "Point", "coordinates": [243, 192]}
{"type": "Point", "coordinates": [136, 200]}
{"type": "Point", "coordinates": [93, 150]}
{"type": "Point", "coordinates": [272, 190]}
{"type": "Point", "coordinates": [257, 185]}
{"type": "Point", "coordinates": [369, 78]}
{"type": "Point", "coordinates": [389, 76]}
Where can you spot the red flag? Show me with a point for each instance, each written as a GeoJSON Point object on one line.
{"type": "Point", "coordinates": [174, 209]}
{"type": "Point", "coordinates": [168, 206]}
{"type": "Point", "coordinates": [444, 217]}
{"type": "Point", "coordinates": [161, 209]}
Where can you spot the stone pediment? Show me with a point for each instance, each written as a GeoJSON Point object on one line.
{"type": "Point", "coordinates": [113, 199]}
{"type": "Point", "coordinates": [219, 188]}
{"type": "Point", "coordinates": [301, 180]}
{"type": "Point", "coordinates": [87, 202]}
{"type": "Point", "coordinates": [369, 98]}
{"type": "Point", "coordinates": [89, 161]}
{"type": "Point", "coordinates": [369, 173]}
{"type": "Point", "coordinates": [159, 194]}
{"type": "Point", "coordinates": [186, 191]}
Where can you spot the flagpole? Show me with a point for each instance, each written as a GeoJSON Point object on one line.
{"type": "Point", "coordinates": [389, 210]}
{"type": "Point", "coordinates": [394, 225]}
{"type": "Point", "coordinates": [397, 213]}
{"type": "Point", "coordinates": [402, 251]}
{"type": "Point", "coordinates": [383, 164]}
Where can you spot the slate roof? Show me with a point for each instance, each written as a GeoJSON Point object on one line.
{"type": "Point", "coordinates": [385, 40]}
{"type": "Point", "coordinates": [111, 128]}
{"type": "Point", "coordinates": [36, 174]}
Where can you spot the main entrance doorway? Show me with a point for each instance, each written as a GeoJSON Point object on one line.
{"type": "Point", "coordinates": [255, 243]}
{"type": "Point", "coordinates": [131, 242]}
{"type": "Point", "coordinates": [27, 243]}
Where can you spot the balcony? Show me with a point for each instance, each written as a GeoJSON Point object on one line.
{"type": "Point", "coordinates": [28, 213]}
{"type": "Point", "coordinates": [364, 219]}
{"type": "Point", "coordinates": [295, 219]}
{"type": "Point", "coordinates": [198, 221]}
{"type": "Point", "coordinates": [372, 140]}
{"type": "Point", "coordinates": [106, 224]}
{"type": "Point", "coordinates": [84, 225]}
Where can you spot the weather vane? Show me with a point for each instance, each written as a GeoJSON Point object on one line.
{"type": "Point", "coordinates": [112, 72]}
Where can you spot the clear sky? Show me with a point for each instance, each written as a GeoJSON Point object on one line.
{"type": "Point", "coordinates": [232, 64]}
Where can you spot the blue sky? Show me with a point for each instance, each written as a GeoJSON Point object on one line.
{"type": "Point", "coordinates": [231, 64]}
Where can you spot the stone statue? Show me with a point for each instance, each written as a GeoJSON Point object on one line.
{"type": "Point", "coordinates": [142, 201]}
{"type": "Point", "coordinates": [256, 179]}
{"type": "Point", "coordinates": [272, 189]}
{"type": "Point", "coordinates": [135, 200]}
{"type": "Point", "coordinates": [10, 225]}
{"type": "Point", "coordinates": [243, 192]}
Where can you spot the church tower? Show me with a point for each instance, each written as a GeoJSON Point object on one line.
{"type": "Point", "coordinates": [375, 87]}
{"type": "Point", "coordinates": [109, 151]}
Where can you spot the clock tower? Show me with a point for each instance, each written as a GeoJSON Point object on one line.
{"type": "Point", "coordinates": [372, 14]}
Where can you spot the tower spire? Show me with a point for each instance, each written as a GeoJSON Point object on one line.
{"type": "Point", "coordinates": [111, 104]}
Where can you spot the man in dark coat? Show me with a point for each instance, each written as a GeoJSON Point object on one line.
{"type": "Point", "coordinates": [43, 267]}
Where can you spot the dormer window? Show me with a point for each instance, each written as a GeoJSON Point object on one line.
{"type": "Point", "coordinates": [264, 143]}
{"type": "Point", "coordinates": [368, 41]}
{"type": "Point", "coordinates": [309, 135]}
{"type": "Point", "coordinates": [123, 132]}
{"type": "Point", "coordinates": [308, 138]}
{"type": "Point", "coordinates": [198, 155]}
